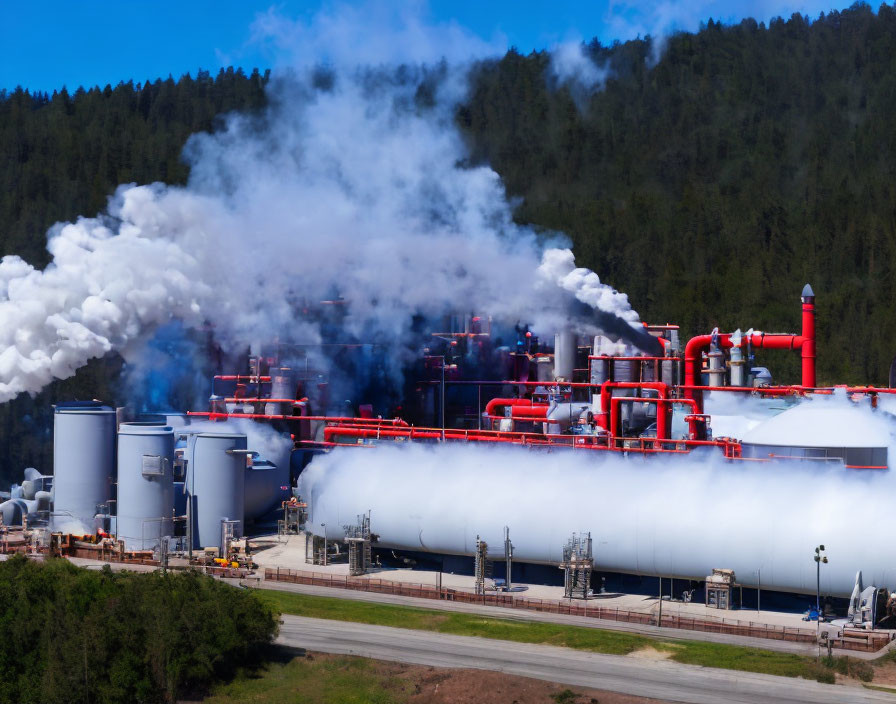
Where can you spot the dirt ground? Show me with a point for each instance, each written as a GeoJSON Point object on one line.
{"type": "Point", "coordinates": [885, 674]}
{"type": "Point", "coordinates": [435, 685]}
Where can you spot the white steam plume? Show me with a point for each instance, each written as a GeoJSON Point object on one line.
{"type": "Point", "coordinates": [352, 182]}
{"type": "Point", "coordinates": [571, 66]}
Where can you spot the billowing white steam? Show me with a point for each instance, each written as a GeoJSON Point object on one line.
{"type": "Point", "coordinates": [558, 268]}
{"type": "Point", "coordinates": [571, 66]}
{"type": "Point", "coordinates": [352, 183]}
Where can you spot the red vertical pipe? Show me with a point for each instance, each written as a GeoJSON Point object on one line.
{"type": "Point", "coordinates": [808, 347]}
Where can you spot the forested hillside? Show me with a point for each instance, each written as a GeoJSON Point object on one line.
{"type": "Point", "coordinates": [709, 185]}
{"type": "Point", "coordinates": [61, 156]}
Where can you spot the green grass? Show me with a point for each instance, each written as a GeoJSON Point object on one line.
{"type": "Point", "coordinates": [888, 690]}
{"type": "Point", "coordinates": [595, 640]}
{"type": "Point", "coordinates": [338, 680]}
{"type": "Point", "coordinates": [730, 657]}
{"type": "Point", "coordinates": [734, 657]}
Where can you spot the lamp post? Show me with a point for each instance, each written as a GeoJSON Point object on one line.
{"type": "Point", "coordinates": [819, 559]}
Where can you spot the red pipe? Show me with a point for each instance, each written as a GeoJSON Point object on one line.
{"type": "Point", "coordinates": [606, 393]}
{"type": "Point", "coordinates": [808, 347]}
{"type": "Point", "coordinates": [332, 419]}
{"type": "Point", "coordinates": [519, 405]}
{"type": "Point", "coordinates": [693, 351]}
{"type": "Point", "coordinates": [240, 377]}
{"type": "Point", "coordinates": [525, 419]}
{"type": "Point", "coordinates": [662, 413]}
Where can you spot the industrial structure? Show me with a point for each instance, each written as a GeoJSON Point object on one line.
{"type": "Point", "coordinates": [184, 482]}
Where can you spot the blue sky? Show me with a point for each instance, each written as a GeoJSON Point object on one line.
{"type": "Point", "coordinates": [46, 45]}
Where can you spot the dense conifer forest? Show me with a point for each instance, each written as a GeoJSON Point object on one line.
{"type": "Point", "coordinates": [709, 180]}
{"type": "Point", "coordinates": [712, 185]}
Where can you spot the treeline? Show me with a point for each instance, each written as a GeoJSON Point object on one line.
{"type": "Point", "coordinates": [62, 156]}
{"type": "Point", "coordinates": [71, 635]}
{"type": "Point", "coordinates": [711, 185]}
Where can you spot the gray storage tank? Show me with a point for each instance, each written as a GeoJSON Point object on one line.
{"type": "Point", "coordinates": [83, 463]}
{"type": "Point", "coordinates": [267, 486]}
{"type": "Point", "coordinates": [145, 484]}
{"type": "Point", "coordinates": [216, 471]}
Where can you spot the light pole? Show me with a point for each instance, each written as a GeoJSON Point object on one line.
{"type": "Point", "coordinates": [819, 559]}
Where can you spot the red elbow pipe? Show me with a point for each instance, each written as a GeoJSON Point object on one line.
{"type": "Point", "coordinates": [805, 343]}
{"type": "Point", "coordinates": [491, 408]}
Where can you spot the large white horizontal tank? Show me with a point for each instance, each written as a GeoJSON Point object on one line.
{"type": "Point", "coordinates": [670, 516]}
{"type": "Point", "coordinates": [145, 484]}
{"type": "Point", "coordinates": [216, 470]}
{"type": "Point", "coordinates": [83, 463]}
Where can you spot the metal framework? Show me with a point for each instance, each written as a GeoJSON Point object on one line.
{"type": "Point", "coordinates": [482, 567]}
{"type": "Point", "coordinates": [359, 546]}
{"type": "Point", "coordinates": [577, 566]}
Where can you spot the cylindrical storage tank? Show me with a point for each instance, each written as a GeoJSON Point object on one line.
{"type": "Point", "coordinates": [625, 370]}
{"type": "Point", "coordinates": [267, 486]}
{"type": "Point", "coordinates": [600, 370]}
{"type": "Point", "coordinates": [668, 371]}
{"type": "Point", "coordinates": [544, 368]}
{"type": "Point", "coordinates": [564, 355]}
{"type": "Point", "coordinates": [216, 482]}
{"type": "Point", "coordinates": [661, 531]}
{"type": "Point", "coordinates": [12, 511]}
{"type": "Point", "coordinates": [282, 386]}
{"type": "Point", "coordinates": [716, 367]}
{"type": "Point", "coordinates": [648, 370]}
{"type": "Point", "coordinates": [145, 484]}
{"type": "Point", "coordinates": [738, 367]}
{"type": "Point", "coordinates": [83, 463]}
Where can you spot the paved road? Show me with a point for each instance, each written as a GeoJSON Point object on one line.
{"type": "Point", "coordinates": [663, 680]}
{"type": "Point", "coordinates": [538, 616]}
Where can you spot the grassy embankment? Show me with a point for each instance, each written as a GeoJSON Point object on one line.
{"type": "Point", "coordinates": [348, 679]}
{"type": "Point", "coordinates": [729, 657]}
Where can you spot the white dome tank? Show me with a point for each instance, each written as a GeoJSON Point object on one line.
{"type": "Point", "coordinates": [83, 463]}
{"type": "Point", "coordinates": [145, 484]}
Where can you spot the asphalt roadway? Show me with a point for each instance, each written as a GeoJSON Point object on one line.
{"type": "Point", "coordinates": [663, 680]}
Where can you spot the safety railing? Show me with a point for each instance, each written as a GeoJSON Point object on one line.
{"type": "Point", "coordinates": [589, 609]}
